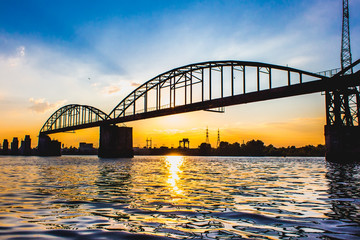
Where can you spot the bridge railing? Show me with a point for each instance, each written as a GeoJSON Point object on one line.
{"type": "Point", "coordinates": [329, 73]}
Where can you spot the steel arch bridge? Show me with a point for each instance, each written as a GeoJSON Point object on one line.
{"type": "Point", "coordinates": [71, 116]}
{"type": "Point", "coordinates": [200, 86]}
{"type": "Point", "coordinates": [214, 80]}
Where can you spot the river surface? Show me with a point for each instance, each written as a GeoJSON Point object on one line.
{"type": "Point", "coordinates": [174, 197]}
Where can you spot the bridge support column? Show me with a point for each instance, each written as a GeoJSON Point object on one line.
{"type": "Point", "coordinates": [115, 142]}
{"type": "Point", "coordinates": [48, 147]}
{"type": "Point", "coordinates": [342, 143]}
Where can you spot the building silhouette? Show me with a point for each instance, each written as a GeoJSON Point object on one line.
{"type": "Point", "coordinates": [48, 147]}
{"type": "Point", "coordinates": [25, 148]}
{"type": "Point", "coordinates": [86, 148]}
{"type": "Point", "coordinates": [5, 149]}
{"type": "Point", "coordinates": [15, 146]}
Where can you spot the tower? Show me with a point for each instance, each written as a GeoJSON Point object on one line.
{"type": "Point", "coordinates": [218, 139]}
{"type": "Point", "coordinates": [345, 39]}
{"type": "Point", "coordinates": [148, 143]}
{"type": "Point", "coordinates": [342, 129]}
{"type": "Point", "coordinates": [207, 136]}
{"type": "Point", "coordinates": [343, 104]}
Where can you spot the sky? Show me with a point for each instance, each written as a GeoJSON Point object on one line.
{"type": "Point", "coordinates": [54, 53]}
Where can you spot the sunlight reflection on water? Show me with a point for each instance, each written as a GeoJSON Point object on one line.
{"type": "Point", "coordinates": [174, 163]}
{"type": "Point", "coordinates": [178, 197]}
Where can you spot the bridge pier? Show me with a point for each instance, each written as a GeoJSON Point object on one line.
{"type": "Point", "coordinates": [48, 147]}
{"type": "Point", "coordinates": [342, 143]}
{"type": "Point", "coordinates": [115, 142]}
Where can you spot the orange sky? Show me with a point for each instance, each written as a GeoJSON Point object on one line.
{"type": "Point", "coordinates": [98, 60]}
{"type": "Point", "coordinates": [290, 121]}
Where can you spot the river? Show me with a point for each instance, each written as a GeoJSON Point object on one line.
{"type": "Point", "coordinates": [175, 197]}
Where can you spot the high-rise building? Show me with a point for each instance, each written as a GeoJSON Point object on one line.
{"type": "Point", "coordinates": [15, 146]}
{"type": "Point", "coordinates": [5, 149]}
{"type": "Point", "coordinates": [25, 148]}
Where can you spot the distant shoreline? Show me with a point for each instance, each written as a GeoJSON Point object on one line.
{"type": "Point", "coordinates": [253, 148]}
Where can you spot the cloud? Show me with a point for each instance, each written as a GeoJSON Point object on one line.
{"type": "Point", "coordinates": [20, 51]}
{"type": "Point", "coordinates": [16, 59]}
{"type": "Point", "coordinates": [134, 84]}
{"type": "Point", "coordinates": [40, 105]}
{"type": "Point", "coordinates": [120, 53]}
{"type": "Point", "coordinates": [111, 89]}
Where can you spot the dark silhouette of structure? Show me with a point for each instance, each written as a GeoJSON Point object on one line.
{"type": "Point", "coordinates": [5, 149]}
{"type": "Point", "coordinates": [205, 149]}
{"type": "Point", "coordinates": [250, 148]}
{"type": "Point", "coordinates": [15, 146]}
{"type": "Point", "coordinates": [185, 142]}
{"type": "Point", "coordinates": [25, 147]}
{"type": "Point", "coordinates": [346, 58]}
{"type": "Point", "coordinates": [24, 150]}
{"type": "Point", "coordinates": [207, 141]}
{"type": "Point", "coordinates": [247, 82]}
{"type": "Point", "coordinates": [115, 142]}
{"type": "Point", "coordinates": [216, 84]}
{"type": "Point", "coordinates": [86, 148]}
{"type": "Point", "coordinates": [342, 129]}
{"type": "Point", "coordinates": [148, 143]}
{"type": "Point", "coordinates": [72, 117]}
{"type": "Point", "coordinates": [48, 147]}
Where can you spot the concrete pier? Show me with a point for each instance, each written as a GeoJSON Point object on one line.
{"type": "Point", "coordinates": [342, 143]}
{"type": "Point", "coordinates": [48, 147]}
{"type": "Point", "coordinates": [115, 142]}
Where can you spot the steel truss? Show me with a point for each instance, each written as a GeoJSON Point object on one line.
{"type": "Point", "coordinates": [73, 115]}
{"type": "Point", "coordinates": [343, 104]}
{"type": "Point", "coordinates": [214, 85]}
{"type": "Point", "coordinates": [214, 80]}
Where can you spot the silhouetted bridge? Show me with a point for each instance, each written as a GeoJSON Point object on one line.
{"type": "Point", "coordinates": [216, 84]}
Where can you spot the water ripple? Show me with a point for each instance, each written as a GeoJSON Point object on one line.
{"type": "Point", "coordinates": [178, 198]}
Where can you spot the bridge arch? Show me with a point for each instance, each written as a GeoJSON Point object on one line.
{"type": "Point", "coordinates": [205, 82]}
{"type": "Point", "coordinates": [70, 116]}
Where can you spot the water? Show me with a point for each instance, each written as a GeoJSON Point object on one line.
{"type": "Point", "coordinates": [159, 197]}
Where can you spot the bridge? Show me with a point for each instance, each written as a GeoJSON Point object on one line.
{"type": "Point", "coordinates": [211, 85]}
{"type": "Point", "coordinates": [216, 84]}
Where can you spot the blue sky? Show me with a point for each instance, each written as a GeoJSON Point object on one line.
{"type": "Point", "coordinates": [50, 49]}
{"type": "Point", "coordinates": [61, 19]}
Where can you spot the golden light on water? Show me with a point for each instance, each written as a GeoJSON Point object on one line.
{"type": "Point", "coordinates": [173, 164]}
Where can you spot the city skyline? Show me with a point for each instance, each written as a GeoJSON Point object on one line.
{"type": "Point", "coordinates": [56, 54]}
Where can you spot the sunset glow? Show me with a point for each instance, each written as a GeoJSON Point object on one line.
{"type": "Point", "coordinates": [100, 54]}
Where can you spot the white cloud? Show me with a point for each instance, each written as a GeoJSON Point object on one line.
{"type": "Point", "coordinates": [16, 59]}
{"type": "Point", "coordinates": [21, 51]}
{"type": "Point", "coordinates": [42, 106]}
